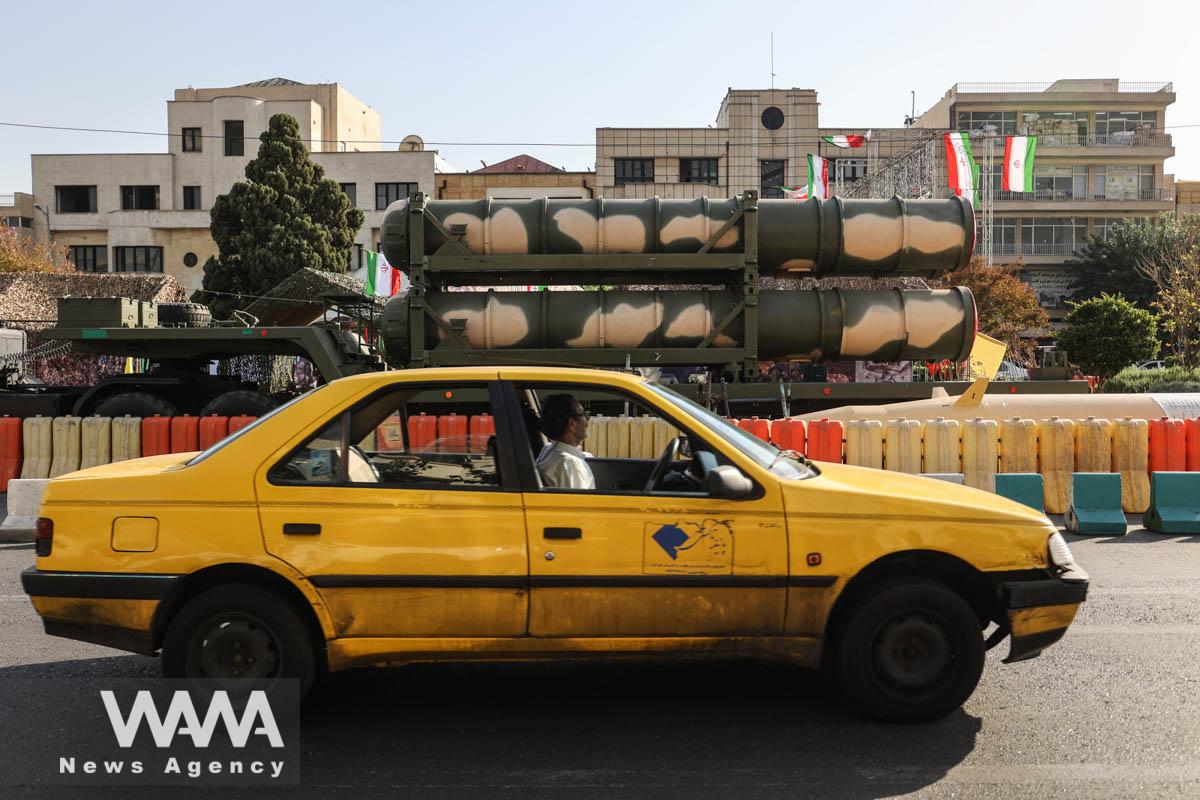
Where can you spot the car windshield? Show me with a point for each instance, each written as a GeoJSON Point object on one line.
{"type": "Point", "coordinates": [763, 453]}
{"type": "Point", "coordinates": [242, 431]}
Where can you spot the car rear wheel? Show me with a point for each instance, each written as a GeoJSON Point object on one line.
{"type": "Point", "coordinates": [237, 633]}
{"type": "Point", "coordinates": [911, 651]}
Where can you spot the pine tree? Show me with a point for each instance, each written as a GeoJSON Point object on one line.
{"type": "Point", "coordinates": [285, 216]}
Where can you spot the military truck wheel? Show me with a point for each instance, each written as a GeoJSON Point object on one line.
{"type": "Point", "coordinates": [911, 651]}
{"type": "Point", "coordinates": [239, 632]}
{"type": "Point", "coordinates": [186, 315]}
{"type": "Point", "coordinates": [242, 402]}
{"type": "Point", "coordinates": [135, 404]}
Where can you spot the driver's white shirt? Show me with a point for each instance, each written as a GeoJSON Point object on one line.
{"type": "Point", "coordinates": [564, 466]}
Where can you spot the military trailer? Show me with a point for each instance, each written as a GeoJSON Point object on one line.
{"type": "Point", "coordinates": [652, 283]}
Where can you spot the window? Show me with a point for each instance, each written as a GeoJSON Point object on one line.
{"type": "Point", "coordinates": [697, 170]}
{"type": "Point", "coordinates": [89, 258]}
{"type": "Point", "coordinates": [633, 170]}
{"type": "Point", "coordinates": [388, 193]}
{"type": "Point", "coordinates": [1004, 236]}
{"type": "Point", "coordinates": [1052, 236]}
{"type": "Point", "coordinates": [1056, 128]}
{"type": "Point", "coordinates": [849, 170]}
{"type": "Point", "coordinates": [192, 140]}
{"type": "Point", "coordinates": [235, 137]}
{"type": "Point", "coordinates": [75, 199]}
{"type": "Point", "coordinates": [1059, 183]}
{"type": "Point", "coordinates": [1102, 225]}
{"type": "Point", "coordinates": [191, 198]}
{"type": "Point", "coordinates": [407, 437]}
{"type": "Point", "coordinates": [19, 222]}
{"type": "Point", "coordinates": [988, 122]}
{"type": "Point", "coordinates": [351, 191]}
{"type": "Point", "coordinates": [138, 259]}
{"type": "Point", "coordinates": [139, 198]}
{"type": "Point", "coordinates": [771, 177]}
{"type": "Point", "coordinates": [1120, 126]}
{"type": "Point", "coordinates": [1123, 182]}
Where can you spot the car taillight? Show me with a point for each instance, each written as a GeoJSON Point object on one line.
{"type": "Point", "coordinates": [44, 540]}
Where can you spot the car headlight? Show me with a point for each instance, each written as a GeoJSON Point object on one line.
{"type": "Point", "coordinates": [1060, 553]}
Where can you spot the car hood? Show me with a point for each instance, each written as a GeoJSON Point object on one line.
{"type": "Point", "coordinates": [861, 490]}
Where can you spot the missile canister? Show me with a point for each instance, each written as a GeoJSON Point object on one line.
{"type": "Point", "coordinates": [816, 237]}
{"type": "Point", "coordinates": [883, 325]}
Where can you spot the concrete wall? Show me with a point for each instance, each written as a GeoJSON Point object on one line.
{"type": "Point", "coordinates": [507, 185]}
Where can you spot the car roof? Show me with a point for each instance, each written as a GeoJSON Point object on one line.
{"type": "Point", "coordinates": [426, 375]}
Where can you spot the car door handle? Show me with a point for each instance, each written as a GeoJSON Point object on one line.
{"type": "Point", "coordinates": [562, 533]}
{"type": "Point", "coordinates": [301, 529]}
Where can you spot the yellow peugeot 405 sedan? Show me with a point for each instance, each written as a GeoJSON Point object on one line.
{"type": "Point", "coordinates": [423, 515]}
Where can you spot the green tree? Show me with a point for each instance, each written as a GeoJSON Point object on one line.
{"type": "Point", "coordinates": [1111, 264]}
{"type": "Point", "coordinates": [1007, 306]}
{"type": "Point", "coordinates": [1108, 333]}
{"type": "Point", "coordinates": [1173, 266]}
{"type": "Point", "coordinates": [285, 216]}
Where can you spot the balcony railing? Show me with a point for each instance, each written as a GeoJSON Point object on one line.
{"type": "Point", "coordinates": [1119, 139]}
{"type": "Point", "coordinates": [1032, 249]}
{"type": "Point", "coordinates": [1122, 87]}
{"type": "Point", "coordinates": [1087, 197]}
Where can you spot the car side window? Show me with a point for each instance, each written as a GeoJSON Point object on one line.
{"type": "Point", "coordinates": [407, 437]}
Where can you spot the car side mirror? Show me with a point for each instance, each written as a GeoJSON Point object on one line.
{"type": "Point", "coordinates": [728, 483]}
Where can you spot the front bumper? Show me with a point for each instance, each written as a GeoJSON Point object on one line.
{"type": "Point", "coordinates": [1040, 611]}
{"type": "Point", "coordinates": [112, 609]}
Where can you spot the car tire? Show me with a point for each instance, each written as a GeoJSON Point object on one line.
{"type": "Point", "coordinates": [240, 632]}
{"type": "Point", "coordinates": [910, 651]}
{"type": "Point", "coordinates": [243, 402]}
{"type": "Point", "coordinates": [135, 404]}
{"type": "Point", "coordinates": [184, 315]}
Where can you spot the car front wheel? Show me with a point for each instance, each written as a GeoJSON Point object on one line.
{"type": "Point", "coordinates": [239, 633]}
{"type": "Point", "coordinates": [911, 651]}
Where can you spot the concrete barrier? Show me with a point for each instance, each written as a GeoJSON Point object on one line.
{"type": "Point", "coordinates": [948, 477]}
{"type": "Point", "coordinates": [1022, 487]}
{"type": "Point", "coordinates": [24, 500]}
{"type": "Point", "coordinates": [1095, 504]}
{"type": "Point", "coordinates": [1174, 503]}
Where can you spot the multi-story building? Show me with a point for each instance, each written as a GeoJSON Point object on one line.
{"type": "Point", "coordinates": [17, 212]}
{"type": "Point", "coordinates": [1187, 197]}
{"type": "Point", "coordinates": [137, 212]}
{"type": "Point", "coordinates": [1100, 159]}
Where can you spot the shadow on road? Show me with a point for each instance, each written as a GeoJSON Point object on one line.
{"type": "Point", "coordinates": [592, 729]}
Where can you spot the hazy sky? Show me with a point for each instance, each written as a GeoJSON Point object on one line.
{"type": "Point", "coordinates": [525, 71]}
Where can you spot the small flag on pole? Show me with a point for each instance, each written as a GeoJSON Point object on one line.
{"type": "Point", "coordinates": [382, 280]}
{"type": "Point", "coordinates": [1018, 163]}
{"type": "Point", "coordinates": [849, 140]}
{"type": "Point", "coordinates": [818, 177]}
{"type": "Point", "coordinates": [961, 167]}
{"type": "Point", "coordinates": [795, 192]}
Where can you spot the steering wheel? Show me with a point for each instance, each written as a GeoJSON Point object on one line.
{"type": "Point", "coordinates": [669, 454]}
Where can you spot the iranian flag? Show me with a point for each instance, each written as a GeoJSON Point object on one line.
{"type": "Point", "coordinates": [818, 177]}
{"type": "Point", "coordinates": [382, 280]}
{"type": "Point", "coordinates": [795, 192]}
{"type": "Point", "coordinates": [961, 166]}
{"type": "Point", "coordinates": [852, 140]}
{"type": "Point", "coordinates": [1018, 163]}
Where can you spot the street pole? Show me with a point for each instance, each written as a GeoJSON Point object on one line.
{"type": "Point", "coordinates": [47, 215]}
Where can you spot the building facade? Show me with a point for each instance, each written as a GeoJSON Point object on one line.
{"type": "Point", "coordinates": [516, 178]}
{"type": "Point", "coordinates": [149, 212]}
{"type": "Point", "coordinates": [17, 212]}
{"type": "Point", "coordinates": [1102, 145]}
{"type": "Point", "coordinates": [1101, 151]}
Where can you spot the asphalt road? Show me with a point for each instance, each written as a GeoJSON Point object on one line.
{"type": "Point", "coordinates": [1111, 711]}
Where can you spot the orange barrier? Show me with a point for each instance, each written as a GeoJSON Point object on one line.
{"type": "Point", "coordinates": [10, 450]}
{"type": "Point", "coordinates": [185, 434]}
{"type": "Point", "coordinates": [1192, 444]}
{"type": "Point", "coordinates": [452, 433]}
{"type": "Point", "coordinates": [422, 431]}
{"type": "Point", "coordinates": [390, 434]}
{"type": "Point", "coordinates": [156, 436]}
{"type": "Point", "coordinates": [789, 434]}
{"type": "Point", "coordinates": [237, 423]}
{"type": "Point", "coordinates": [759, 427]}
{"type": "Point", "coordinates": [1168, 445]}
{"type": "Point", "coordinates": [213, 429]}
{"type": "Point", "coordinates": [825, 439]}
{"type": "Point", "coordinates": [480, 428]}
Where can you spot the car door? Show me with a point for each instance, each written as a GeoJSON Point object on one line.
{"type": "Point", "coordinates": [614, 562]}
{"type": "Point", "coordinates": [406, 522]}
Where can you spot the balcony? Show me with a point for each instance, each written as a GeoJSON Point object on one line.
{"type": "Point", "coordinates": [1033, 249]}
{"type": "Point", "coordinates": [1120, 139]}
{"type": "Point", "coordinates": [1066, 195]}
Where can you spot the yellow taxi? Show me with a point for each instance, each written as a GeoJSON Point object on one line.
{"type": "Point", "coordinates": [422, 515]}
